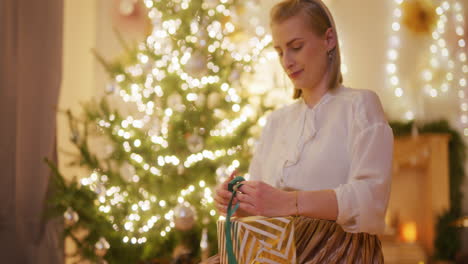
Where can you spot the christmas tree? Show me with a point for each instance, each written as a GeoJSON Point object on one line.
{"type": "Point", "coordinates": [178, 117]}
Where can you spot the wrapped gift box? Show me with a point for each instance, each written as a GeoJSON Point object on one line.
{"type": "Point", "coordinates": [259, 240]}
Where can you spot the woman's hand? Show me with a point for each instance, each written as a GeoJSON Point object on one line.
{"type": "Point", "coordinates": [259, 198]}
{"type": "Point", "coordinates": [222, 195]}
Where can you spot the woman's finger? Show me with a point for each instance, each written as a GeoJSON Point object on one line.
{"type": "Point", "coordinates": [223, 201]}
{"type": "Point", "coordinates": [220, 201]}
{"type": "Point", "coordinates": [247, 188]}
{"type": "Point", "coordinates": [224, 194]}
{"type": "Point", "coordinates": [245, 198]}
{"type": "Point", "coordinates": [233, 175]}
{"type": "Point", "coordinates": [221, 208]}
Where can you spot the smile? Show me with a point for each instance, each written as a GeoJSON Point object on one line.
{"type": "Point", "coordinates": [296, 74]}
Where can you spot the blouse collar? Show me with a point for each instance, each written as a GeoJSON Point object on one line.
{"type": "Point", "coordinates": [328, 94]}
{"type": "Point", "coordinates": [305, 128]}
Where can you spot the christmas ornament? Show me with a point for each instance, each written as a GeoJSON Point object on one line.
{"type": "Point", "coordinates": [101, 247]}
{"type": "Point", "coordinates": [184, 216]}
{"type": "Point", "coordinates": [101, 146]}
{"type": "Point", "coordinates": [202, 34]}
{"type": "Point", "coordinates": [127, 171]}
{"type": "Point", "coordinates": [100, 189]}
{"type": "Point", "coordinates": [218, 113]}
{"type": "Point", "coordinates": [200, 100]}
{"type": "Point", "coordinates": [71, 217]}
{"type": "Point", "coordinates": [174, 101]}
{"type": "Point", "coordinates": [419, 16]}
{"type": "Point", "coordinates": [195, 143]}
{"type": "Point", "coordinates": [108, 150]}
{"type": "Point", "coordinates": [196, 65]}
{"type": "Point", "coordinates": [155, 127]}
{"type": "Point", "coordinates": [180, 169]}
{"type": "Point", "coordinates": [234, 76]}
{"type": "Point", "coordinates": [202, 130]}
{"type": "Point", "coordinates": [213, 100]}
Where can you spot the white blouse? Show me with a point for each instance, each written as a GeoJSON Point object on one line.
{"type": "Point", "coordinates": [343, 143]}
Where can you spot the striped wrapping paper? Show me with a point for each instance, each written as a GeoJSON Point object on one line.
{"type": "Point", "coordinates": [259, 240]}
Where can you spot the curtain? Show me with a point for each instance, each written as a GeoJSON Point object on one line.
{"type": "Point", "coordinates": [30, 78]}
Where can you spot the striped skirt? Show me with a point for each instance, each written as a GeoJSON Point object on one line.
{"type": "Point", "coordinates": [322, 241]}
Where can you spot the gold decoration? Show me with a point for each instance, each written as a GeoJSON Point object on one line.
{"type": "Point", "coordinates": [71, 217]}
{"type": "Point", "coordinates": [419, 16]}
{"type": "Point", "coordinates": [101, 247]}
{"type": "Point", "coordinates": [184, 216]}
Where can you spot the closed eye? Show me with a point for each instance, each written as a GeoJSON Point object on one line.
{"type": "Point", "coordinates": [297, 48]}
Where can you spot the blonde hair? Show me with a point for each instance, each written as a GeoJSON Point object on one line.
{"type": "Point", "coordinates": [320, 19]}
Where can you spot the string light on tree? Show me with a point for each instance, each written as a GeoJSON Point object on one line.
{"type": "Point", "coordinates": [177, 113]}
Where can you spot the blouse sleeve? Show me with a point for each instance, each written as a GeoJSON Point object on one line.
{"type": "Point", "coordinates": [363, 200]}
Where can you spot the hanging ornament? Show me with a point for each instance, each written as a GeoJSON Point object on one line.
{"type": "Point", "coordinates": [234, 76]}
{"type": "Point", "coordinates": [154, 127]}
{"type": "Point", "coordinates": [201, 98]}
{"type": "Point", "coordinates": [419, 16]}
{"type": "Point", "coordinates": [174, 101]}
{"type": "Point", "coordinates": [71, 217]}
{"type": "Point", "coordinates": [101, 247]}
{"type": "Point", "coordinates": [108, 150]}
{"type": "Point", "coordinates": [148, 66]}
{"type": "Point", "coordinates": [100, 189]}
{"type": "Point", "coordinates": [180, 169]}
{"type": "Point", "coordinates": [194, 143]}
{"type": "Point", "coordinates": [101, 146]}
{"type": "Point", "coordinates": [213, 100]}
{"type": "Point", "coordinates": [218, 113]}
{"type": "Point", "coordinates": [202, 130]}
{"type": "Point", "coordinates": [196, 65]}
{"type": "Point", "coordinates": [127, 171]}
{"type": "Point", "coordinates": [184, 216]}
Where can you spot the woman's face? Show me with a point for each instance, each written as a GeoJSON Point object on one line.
{"type": "Point", "coordinates": [303, 54]}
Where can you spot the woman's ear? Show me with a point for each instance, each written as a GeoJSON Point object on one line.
{"type": "Point", "coordinates": [330, 37]}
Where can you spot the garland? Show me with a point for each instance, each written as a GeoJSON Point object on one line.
{"type": "Point", "coordinates": [447, 240]}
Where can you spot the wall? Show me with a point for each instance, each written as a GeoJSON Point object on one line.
{"type": "Point", "coordinates": [363, 28]}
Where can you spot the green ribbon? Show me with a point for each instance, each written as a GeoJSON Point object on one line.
{"type": "Point", "coordinates": [232, 187]}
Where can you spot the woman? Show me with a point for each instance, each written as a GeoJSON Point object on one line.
{"type": "Point", "coordinates": [327, 156]}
